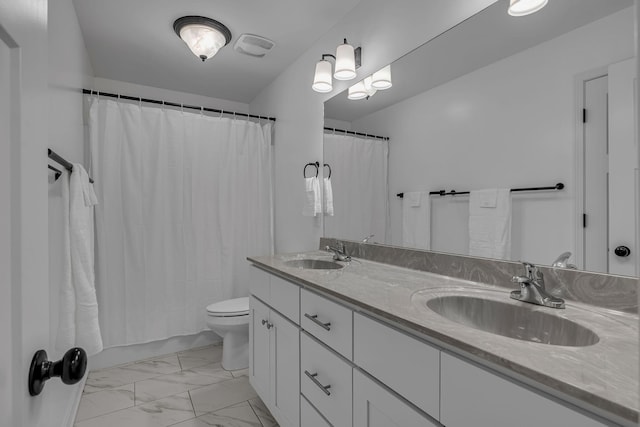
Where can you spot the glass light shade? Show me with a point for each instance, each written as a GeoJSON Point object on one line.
{"type": "Point", "coordinates": [357, 91]}
{"type": "Point", "coordinates": [368, 87]}
{"type": "Point", "coordinates": [345, 63]}
{"type": "Point", "coordinates": [322, 78]}
{"type": "Point", "coordinates": [203, 41]}
{"type": "Point", "coordinates": [525, 7]}
{"type": "Point", "coordinates": [381, 79]}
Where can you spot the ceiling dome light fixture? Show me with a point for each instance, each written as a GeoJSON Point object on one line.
{"type": "Point", "coordinates": [525, 7]}
{"type": "Point", "coordinates": [204, 36]}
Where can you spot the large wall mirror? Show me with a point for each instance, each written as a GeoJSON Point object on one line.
{"type": "Point", "coordinates": [497, 103]}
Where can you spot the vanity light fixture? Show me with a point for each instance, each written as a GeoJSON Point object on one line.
{"type": "Point", "coordinates": [361, 90]}
{"type": "Point", "coordinates": [381, 79]}
{"type": "Point", "coordinates": [204, 36]}
{"type": "Point", "coordinates": [525, 7]}
{"type": "Point", "coordinates": [347, 60]}
{"type": "Point", "coordinates": [366, 88]}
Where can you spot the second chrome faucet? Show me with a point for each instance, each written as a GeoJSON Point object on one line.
{"type": "Point", "coordinates": [532, 289]}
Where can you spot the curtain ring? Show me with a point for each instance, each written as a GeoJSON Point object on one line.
{"type": "Point", "coordinates": [221, 112]}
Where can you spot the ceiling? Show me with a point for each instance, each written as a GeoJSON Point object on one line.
{"type": "Point", "coordinates": [485, 38]}
{"type": "Point", "coordinates": [133, 41]}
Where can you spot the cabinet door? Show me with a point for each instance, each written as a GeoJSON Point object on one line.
{"type": "Point", "coordinates": [374, 406]}
{"type": "Point", "coordinates": [285, 370]}
{"type": "Point", "coordinates": [472, 396]}
{"type": "Point", "coordinates": [259, 348]}
{"type": "Point", "coordinates": [309, 417]}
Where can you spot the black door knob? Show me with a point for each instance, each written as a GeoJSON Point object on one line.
{"type": "Point", "coordinates": [70, 369]}
{"type": "Point", "coordinates": [622, 251]}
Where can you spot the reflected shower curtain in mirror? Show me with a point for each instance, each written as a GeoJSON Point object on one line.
{"type": "Point", "coordinates": [183, 200]}
{"type": "Point", "coordinates": [359, 179]}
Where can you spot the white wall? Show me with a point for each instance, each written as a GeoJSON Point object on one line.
{"type": "Point", "coordinates": [385, 30]}
{"type": "Point", "coordinates": [476, 132]}
{"type": "Point", "coordinates": [131, 89]}
{"type": "Point", "coordinates": [69, 71]}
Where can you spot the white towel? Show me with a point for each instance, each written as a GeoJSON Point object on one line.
{"type": "Point", "coordinates": [416, 220]}
{"type": "Point", "coordinates": [313, 201]}
{"type": "Point", "coordinates": [78, 306]}
{"type": "Point", "coordinates": [490, 223]}
{"type": "Point", "coordinates": [327, 194]}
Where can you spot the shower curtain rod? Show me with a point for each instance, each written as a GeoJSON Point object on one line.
{"type": "Point", "coordinates": [174, 104]}
{"type": "Point", "coordinates": [350, 132]}
{"type": "Point", "coordinates": [558, 186]}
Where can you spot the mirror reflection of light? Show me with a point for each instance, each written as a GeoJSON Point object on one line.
{"type": "Point", "coordinates": [525, 7]}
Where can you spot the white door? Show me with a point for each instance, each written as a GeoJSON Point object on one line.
{"type": "Point", "coordinates": [6, 360]}
{"type": "Point", "coordinates": [623, 161]}
{"type": "Point", "coordinates": [610, 161]}
{"type": "Point", "coordinates": [596, 174]}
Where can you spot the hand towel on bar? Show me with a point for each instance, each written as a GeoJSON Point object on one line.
{"type": "Point", "coordinates": [416, 220]}
{"type": "Point", "coordinates": [313, 202]}
{"type": "Point", "coordinates": [490, 223]}
{"type": "Point", "coordinates": [82, 198]}
{"type": "Point", "coordinates": [327, 194]}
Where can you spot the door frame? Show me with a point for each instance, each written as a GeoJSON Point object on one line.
{"type": "Point", "coordinates": [579, 81]}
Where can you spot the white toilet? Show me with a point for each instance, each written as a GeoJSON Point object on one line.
{"type": "Point", "coordinates": [230, 320]}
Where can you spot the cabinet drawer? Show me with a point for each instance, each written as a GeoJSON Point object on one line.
{"type": "Point", "coordinates": [285, 298]}
{"type": "Point", "coordinates": [329, 322]}
{"type": "Point", "coordinates": [409, 367]}
{"type": "Point", "coordinates": [309, 417]}
{"type": "Point", "coordinates": [326, 381]}
{"type": "Point", "coordinates": [373, 405]}
{"type": "Point", "coordinates": [473, 396]}
{"type": "Point", "coordinates": [259, 283]}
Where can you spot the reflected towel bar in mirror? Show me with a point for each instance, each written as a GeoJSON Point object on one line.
{"type": "Point", "coordinates": [558, 186]}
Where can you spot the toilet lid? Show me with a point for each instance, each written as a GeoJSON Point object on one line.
{"type": "Point", "coordinates": [230, 307]}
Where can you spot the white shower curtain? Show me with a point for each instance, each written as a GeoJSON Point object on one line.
{"type": "Point", "coordinates": [359, 178]}
{"type": "Point", "coordinates": [183, 200]}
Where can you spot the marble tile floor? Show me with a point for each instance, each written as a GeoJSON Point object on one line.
{"type": "Point", "coordinates": [185, 389]}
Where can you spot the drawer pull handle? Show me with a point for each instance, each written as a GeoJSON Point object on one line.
{"type": "Point", "coordinates": [269, 325]}
{"type": "Point", "coordinates": [312, 377]}
{"type": "Point", "coordinates": [315, 320]}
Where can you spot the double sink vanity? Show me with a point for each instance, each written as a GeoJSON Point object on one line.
{"type": "Point", "coordinates": [427, 339]}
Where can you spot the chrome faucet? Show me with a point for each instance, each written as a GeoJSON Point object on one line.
{"type": "Point", "coordinates": [366, 239]}
{"type": "Point", "coordinates": [339, 254]}
{"type": "Point", "coordinates": [561, 261]}
{"type": "Point", "coordinates": [532, 288]}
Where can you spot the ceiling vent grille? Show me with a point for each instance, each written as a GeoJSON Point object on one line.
{"type": "Point", "coordinates": [253, 45]}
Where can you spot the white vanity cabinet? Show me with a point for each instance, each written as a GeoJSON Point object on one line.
{"type": "Point", "coordinates": [318, 363]}
{"type": "Point", "coordinates": [274, 345]}
{"type": "Point", "coordinates": [473, 396]}
{"type": "Point", "coordinates": [375, 406]}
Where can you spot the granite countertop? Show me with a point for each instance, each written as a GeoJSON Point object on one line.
{"type": "Point", "coordinates": [602, 377]}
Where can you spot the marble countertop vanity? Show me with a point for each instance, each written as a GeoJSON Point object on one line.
{"type": "Point", "coordinates": [602, 377]}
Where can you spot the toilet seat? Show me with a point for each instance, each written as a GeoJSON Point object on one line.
{"type": "Point", "coordinates": [230, 308]}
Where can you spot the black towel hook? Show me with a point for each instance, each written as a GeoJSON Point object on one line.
{"type": "Point", "coordinates": [326, 165]}
{"type": "Point", "coordinates": [316, 164]}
